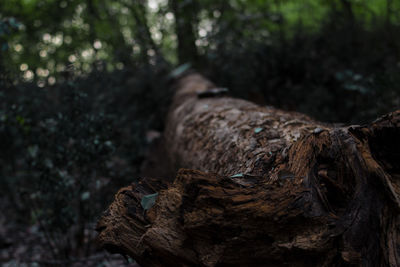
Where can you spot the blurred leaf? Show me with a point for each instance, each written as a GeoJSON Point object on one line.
{"type": "Point", "coordinates": [85, 196]}
{"type": "Point", "coordinates": [33, 151]}
{"type": "Point", "coordinates": [148, 201]}
{"type": "Point", "coordinates": [258, 129]}
{"type": "Point", "coordinates": [180, 70]}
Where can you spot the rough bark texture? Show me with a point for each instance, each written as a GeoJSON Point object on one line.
{"type": "Point", "coordinates": [270, 188]}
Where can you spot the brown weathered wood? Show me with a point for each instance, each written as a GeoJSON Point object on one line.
{"type": "Point", "coordinates": [270, 188]}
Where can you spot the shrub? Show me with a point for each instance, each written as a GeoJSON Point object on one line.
{"type": "Point", "coordinates": [68, 148]}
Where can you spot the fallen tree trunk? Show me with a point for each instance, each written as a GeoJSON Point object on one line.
{"type": "Point", "coordinates": [264, 187]}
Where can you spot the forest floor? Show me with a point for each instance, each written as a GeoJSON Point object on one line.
{"type": "Point", "coordinates": [23, 244]}
{"type": "Point", "coordinates": [26, 246]}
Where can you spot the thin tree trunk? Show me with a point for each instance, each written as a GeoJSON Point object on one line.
{"type": "Point", "coordinates": [271, 188]}
{"type": "Point", "coordinates": [348, 10]}
{"type": "Point", "coordinates": [185, 13]}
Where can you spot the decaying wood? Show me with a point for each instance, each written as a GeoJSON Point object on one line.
{"type": "Point", "coordinates": [263, 187]}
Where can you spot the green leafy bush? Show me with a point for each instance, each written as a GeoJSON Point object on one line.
{"type": "Point", "coordinates": [337, 74]}
{"type": "Point", "coordinates": [68, 148]}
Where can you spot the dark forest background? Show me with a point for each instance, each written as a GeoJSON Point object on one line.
{"type": "Point", "coordinates": [85, 87]}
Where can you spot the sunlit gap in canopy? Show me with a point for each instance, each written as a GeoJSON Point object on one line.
{"type": "Point", "coordinates": [161, 26]}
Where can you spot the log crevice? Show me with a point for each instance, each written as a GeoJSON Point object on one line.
{"type": "Point", "coordinates": [271, 188]}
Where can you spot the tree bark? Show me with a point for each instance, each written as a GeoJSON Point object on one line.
{"type": "Point", "coordinates": [271, 188]}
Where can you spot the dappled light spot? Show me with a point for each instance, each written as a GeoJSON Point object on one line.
{"type": "Point", "coordinates": [202, 32]}
{"type": "Point", "coordinates": [72, 58]}
{"type": "Point", "coordinates": [153, 5]}
{"type": "Point", "coordinates": [28, 75]}
{"type": "Point", "coordinates": [169, 16]}
{"type": "Point", "coordinates": [23, 67]}
{"type": "Point", "coordinates": [151, 52]}
{"type": "Point", "coordinates": [57, 40]}
{"type": "Point", "coordinates": [51, 80]}
{"type": "Point", "coordinates": [42, 53]}
{"type": "Point", "coordinates": [18, 48]}
{"type": "Point", "coordinates": [46, 37]}
{"type": "Point", "coordinates": [42, 72]}
{"type": "Point", "coordinates": [41, 84]}
{"type": "Point", "coordinates": [87, 54]}
{"type": "Point", "coordinates": [97, 44]}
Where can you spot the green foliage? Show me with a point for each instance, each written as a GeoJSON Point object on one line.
{"type": "Point", "coordinates": [59, 35]}
{"type": "Point", "coordinates": [7, 27]}
{"type": "Point", "coordinates": [148, 201]}
{"type": "Point", "coordinates": [68, 148]}
{"type": "Point", "coordinates": [334, 72]}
